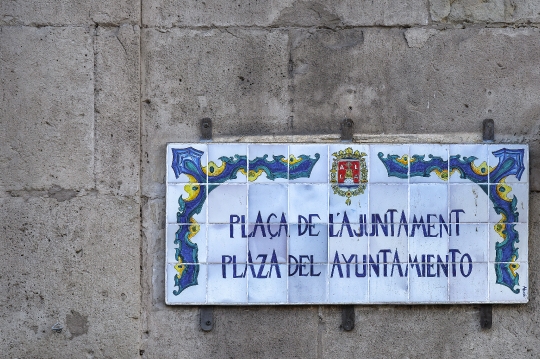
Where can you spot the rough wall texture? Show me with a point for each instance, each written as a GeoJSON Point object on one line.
{"type": "Point", "coordinates": [91, 91]}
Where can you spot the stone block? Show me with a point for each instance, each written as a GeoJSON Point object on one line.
{"type": "Point", "coordinates": [239, 332]}
{"type": "Point", "coordinates": [75, 262]}
{"type": "Point", "coordinates": [67, 12]}
{"type": "Point", "coordinates": [238, 78]}
{"type": "Point", "coordinates": [385, 13]}
{"type": "Point", "coordinates": [284, 13]}
{"type": "Point", "coordinates": [523, 11]}
{"type": "Point", "coordinates": [468, 10]}
{"type": "Point", "coordinates": [171, 13]}
{"type": "Point", "coordinates": [417, 81]}
{"type": "Point", "coordinates": [498, 11]}
{"type": "Point", "coordinates": [46, 108]}
{"type": "Point", "coordinates": [117, 105]}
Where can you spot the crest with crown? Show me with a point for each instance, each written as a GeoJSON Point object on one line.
{"type": "Point", "coordinates": [348, 175]}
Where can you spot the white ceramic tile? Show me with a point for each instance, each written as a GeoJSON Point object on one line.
{"type": "Point", "coordinates": [493, 161]}
{"type": "Point", "coordinates": [177, 191]}
{"type": "Point", "coordinates": [465, 153]}
{"type": "Point", "coordinates": [339, 210]}
{"type": "Point", "coordinates": [470, 284]}
{"type": "Point", "coordinates": [390, 248]}
{"type": "Point", "coordinates": [348, 286]}
{"type": "Point", "coordinates": [307, 283]}
{"type": "Point", "coordinates": [429, 152]}
{"type": "Point", "coordinates": [507, 191]}
{"type": "Point", "coordinates": [499, 293]}
{"type": "Point", "coordinates": [496, 233]}
{"type": "Point", "coordinates": [273, 153]}
{"type": "Point", "coordinates": [232, 154]}
{"type": "Point", "coordinates": [308, 240]}
{"type": "Point", "coordinates": [392, 288]}
{"type": "Point", "coordinates": [421, 245]}
{"type": "Point", "coordinates": [472, 200]}
{"type": "Point", "coordinates": [227, 283]}
{"type": "Point", "coordinates": [390, 200]}
{"type": "Point", "coordinates": [195, 294]}
{"type": "Point", "coordinates": [228, 203]}
{"type": "Point", "coordinates": [428, 287]}
{"type": "Point", "coordinates": [381, 173]}
{"type": "Point", "coordinates": [267, 203]}
{"type": "Point", "coordinates": [470, 238]}
{"type": "Point", "coordinates": [345, 246]}
{"type": "Point", "coordinates": [226, 244]}
{"type": "Point", "coordinates": [268, 243]}
{"type": "Point", "coordinates": [319, 172]}
{"type": "Point", "coordinates": [428, 199]}
{"type": "Point", "coordinates": [269, 285]}
{"type": "Point", "coordinates": [192, 155]}
{"type": "Point", "coordinates": [170, 245]}
{"type": "Point", "coordinates": [308, 203]}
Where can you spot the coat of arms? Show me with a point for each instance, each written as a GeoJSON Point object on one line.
{"type": "Point", "coordinates": [348, 175]}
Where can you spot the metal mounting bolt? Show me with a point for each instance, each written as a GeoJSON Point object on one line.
{"type": "Point", "coordinates": [207, 318]}
{"type": "Point", "coordinates": [486, 316]}
{"type": "Point", "coordinates": [57, 328]}
{"type": "Point", "coordinates": [488, 130]}
{"type": "Point", "coordinates": [347, 129]}
{"type": "Point", "coordinates": [347, 317]}
{"type": "Point", "coordinates": [206, 129]}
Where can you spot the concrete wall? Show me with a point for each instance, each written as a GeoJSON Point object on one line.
{"type": "Point", "coordinates": [91, 91]}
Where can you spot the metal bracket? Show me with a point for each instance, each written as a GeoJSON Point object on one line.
{"type": "Point", "coordinates": [57, 328]}
{"type": "Point", "coordinates": [347, 129]}
{"type": "Point", "coordinates": [347, 317]}
{"type": "Point", "coordinates": [488, 130]}
{"type": "Point", "coordinates": [206, 129]}
{"type": "Point", "coordinates": [207, 318]}
{"type": "Point", "coordinates": [486, 315]}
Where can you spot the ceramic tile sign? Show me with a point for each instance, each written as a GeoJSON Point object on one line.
{"type": "Point", "coordinates": [346, 223]}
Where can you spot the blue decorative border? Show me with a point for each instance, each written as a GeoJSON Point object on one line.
{"type": "Point", "coordinates": [188, 161]}
{"type": "Point", "coordinates": [510, 164]}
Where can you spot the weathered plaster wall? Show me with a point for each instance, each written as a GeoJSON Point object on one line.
{"type": "Point", "coordinates": [91, 91]}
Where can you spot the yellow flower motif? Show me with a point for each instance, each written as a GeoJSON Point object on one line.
{"type": "Point", "coordinates": [191, 178]}
{"type": "Point", "coordinates": [293, 160]}
{"type": "Point", "coordinates": [503, 190]}
{"type": "Point", "coordinates": [193, 228]}
{"type": "Point", "coordinates": [252, 175]}
{"type": "Point", "coordinates": [192, 191]}
{"type": "Point", "coordinates": [180, 268]}
{"type": "Point", "coordinates": [442, 174]}
{"type": "Point", "coordinates": [482, 170]}
{"type": "Point", "coordinates": [404, 160]}
{"type": "Point", "coordinates": [501, 226]}
{"type": "Point", "coordinates": [513, 266]}
{"type": "Point", "coordinates": [213, 169]}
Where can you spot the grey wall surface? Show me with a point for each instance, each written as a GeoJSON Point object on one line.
{"type": "Point", "coordinates": [91, 92]}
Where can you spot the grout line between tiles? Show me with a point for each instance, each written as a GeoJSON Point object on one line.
{"type": "Point", "coordinates": [328, 187]}
{"type": "Point", "coordinates": [368, 212]}
{"type": "Point", "coordinates": [448, 214]}
{"type": "Point", "coordinates": [247, 217]}
{"type": "Point", "coordinates": [408, 216]}
{"type": "Point", "coordinates": [288, 219]}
